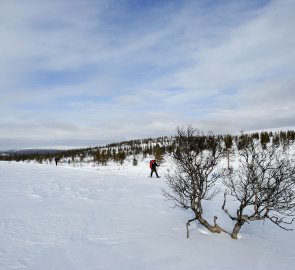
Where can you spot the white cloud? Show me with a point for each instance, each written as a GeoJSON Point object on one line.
{"type": "Point", "coordinates": [98, 69]}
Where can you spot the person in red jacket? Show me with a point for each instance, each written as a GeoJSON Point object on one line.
{"type": "Point", "coordinates": [153, 166]}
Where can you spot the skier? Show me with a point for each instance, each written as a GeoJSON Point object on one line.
{"type": "Point", "coordinates": [153, 166]}
{"type": "Point", "coordinates": [56, 161]}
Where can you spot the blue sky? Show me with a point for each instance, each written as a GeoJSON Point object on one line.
{"type": "Point", "coordinates": [80, 73]}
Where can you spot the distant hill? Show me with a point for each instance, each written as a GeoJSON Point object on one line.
{"type": "Point", "coordinates": [31, 151]}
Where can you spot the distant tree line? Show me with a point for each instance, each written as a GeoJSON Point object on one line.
{"type": "Point", "coordinates": [157, 147]}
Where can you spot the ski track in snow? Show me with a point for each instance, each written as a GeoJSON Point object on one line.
{"type": "Point", "coordinates": [115, 217]}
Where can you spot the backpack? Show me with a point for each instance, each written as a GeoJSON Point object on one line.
{"type": "Point", "coordinates": [151, 163]}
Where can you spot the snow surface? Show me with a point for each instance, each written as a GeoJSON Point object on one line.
{"type": "Point", "coordinates": [116, 218]}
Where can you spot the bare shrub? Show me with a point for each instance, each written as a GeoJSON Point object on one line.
{"type": "Point", "coordinates": [196, 157]}
{"type": "Point", "coordinates": [264, 186]}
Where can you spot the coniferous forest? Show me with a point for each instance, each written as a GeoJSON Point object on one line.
{"type": "Point", "coordinates": [142, 148]}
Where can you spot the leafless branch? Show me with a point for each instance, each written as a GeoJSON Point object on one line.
{"type": "Point", "coordinates": [196, 158]}
{"type": "Point", "coordinates": [264, 185]}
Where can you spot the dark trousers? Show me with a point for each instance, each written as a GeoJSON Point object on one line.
{"type": "Point", "coordinates": [154, 170]}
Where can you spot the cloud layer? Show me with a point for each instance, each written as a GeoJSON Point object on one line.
{"type": "Point", "coordinates": [83, 72]}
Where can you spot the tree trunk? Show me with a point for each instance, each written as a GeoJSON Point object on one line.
{"type": "Point", "coordinates": [206, 224]}
{"type": "Point", "coordinates": [228, 159]}
{"type": "Point", "coordinates": [236, 229]}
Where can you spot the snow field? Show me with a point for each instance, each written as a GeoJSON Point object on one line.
{"type": "Point", "coordinates": [116, 218]}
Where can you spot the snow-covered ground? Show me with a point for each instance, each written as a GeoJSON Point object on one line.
{"type": "Point", "coordinates": [116, 218]}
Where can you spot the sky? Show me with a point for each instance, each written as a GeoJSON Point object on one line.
{"type": "Point", "coordinates": [83, 73]}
